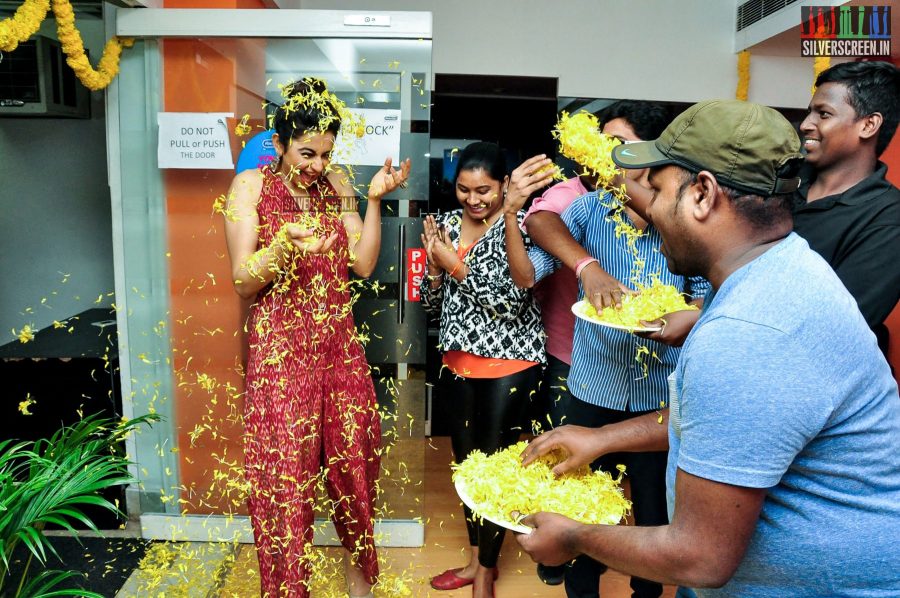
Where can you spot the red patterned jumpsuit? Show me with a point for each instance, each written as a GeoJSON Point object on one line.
{"type": "Point", "coordinates": [310, 402]}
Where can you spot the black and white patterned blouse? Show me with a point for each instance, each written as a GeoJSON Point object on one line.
{"type": "Point", "coordinates": [485, 314]}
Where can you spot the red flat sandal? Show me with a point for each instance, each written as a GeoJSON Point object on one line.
{"type": "Point", "coordinates": [449, 580]}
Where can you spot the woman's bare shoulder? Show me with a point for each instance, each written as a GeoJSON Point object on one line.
{"type": "Point", "coordinates": [250, 179]}
{"type": "Point", "coordinates": [246, 187]}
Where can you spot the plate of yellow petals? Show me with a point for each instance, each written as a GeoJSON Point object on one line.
{"type": "Point", "coordinates": [648, 305]}
{"type": "Point", "coordinates": [497, 488]}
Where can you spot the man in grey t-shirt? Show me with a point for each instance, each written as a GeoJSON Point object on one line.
{"type": "Point", "coordinates": [783, 475]}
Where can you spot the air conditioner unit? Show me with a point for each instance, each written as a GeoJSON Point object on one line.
{"type": "Point", "coordinates": [36, 81]}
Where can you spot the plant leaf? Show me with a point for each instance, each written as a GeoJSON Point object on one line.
{"type": "Point", "coordinates": [45, 585]}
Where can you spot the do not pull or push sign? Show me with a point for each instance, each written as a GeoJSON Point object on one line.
{"type": "Point", "coordinates": [194, 140]}
{"type": "Point", "coordinates": [415, 270]}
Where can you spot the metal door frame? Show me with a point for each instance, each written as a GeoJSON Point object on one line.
{"type": "Point", "coordinates": [151, 24]}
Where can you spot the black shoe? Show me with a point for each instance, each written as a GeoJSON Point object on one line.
{"type": "Point", "coordinates": [552, 576]}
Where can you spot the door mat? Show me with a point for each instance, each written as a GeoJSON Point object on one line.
{"type": "Point", "coordinates": [105, 563]}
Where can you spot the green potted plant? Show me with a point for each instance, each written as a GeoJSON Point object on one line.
{"type": "Point", "coordinates": [50, 481]}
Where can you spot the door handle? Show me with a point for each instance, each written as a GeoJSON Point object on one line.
{"type": "Point", "coordinates": [401, 263]}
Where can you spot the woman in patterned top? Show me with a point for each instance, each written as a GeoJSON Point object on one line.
{"type": "Point", "coordinates": [490, 334]}
{"type": "Point", "coordinates": [293, 234]}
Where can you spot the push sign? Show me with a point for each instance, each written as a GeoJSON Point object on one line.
{"type": "Point", "coordinates": [415, 270]}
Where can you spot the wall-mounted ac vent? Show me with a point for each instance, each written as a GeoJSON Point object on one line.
{"type": "Point", "coordinates": [755, 10]}
{"type": "Point", "coordinates": [36, 81]}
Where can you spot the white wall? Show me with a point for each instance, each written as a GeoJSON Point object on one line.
{"type": "Point", "coordinates": [55, 200]}
{"type": "Point", "coordinates": [781, 81]}
{"type": "Point", "coordinates": [640, 49]}
{"type": "Point", "coordinates": [54, 210]}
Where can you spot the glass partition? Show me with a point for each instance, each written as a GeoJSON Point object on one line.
{"type": "Point", "coordinates": [183, 327]}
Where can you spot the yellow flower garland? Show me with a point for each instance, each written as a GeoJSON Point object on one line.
{"type": "Point", "coordinates": [820, 63]}
{"type": "Point", "coordinates": [27, 20]}
{"type": "Point", "coordinates": [23, 24]}
{"type": "Point", "coordinates": [70, 38]}
{"type": "Point", "coordinates": [743, 85]}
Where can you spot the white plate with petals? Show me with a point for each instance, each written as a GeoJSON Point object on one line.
{"type": "Point", "coordinates": [511, 523]}
{"type": "Point", "coordinates": [582, 311]}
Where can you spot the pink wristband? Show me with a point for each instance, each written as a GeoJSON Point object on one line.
{"type": "Point", "coordinates": [582, 264]}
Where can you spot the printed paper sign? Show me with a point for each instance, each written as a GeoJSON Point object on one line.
{"type": "Point", "coordinates": [381, 139]}
{"type": "Point", "coordinates": [194, 140]}
{"type": "Point", "coordinates": [415, 269]}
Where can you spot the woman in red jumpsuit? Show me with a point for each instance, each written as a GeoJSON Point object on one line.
{"type": "Point", "coordinates": [293, 234]}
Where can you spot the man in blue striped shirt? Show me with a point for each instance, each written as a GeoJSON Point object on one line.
{"type": "Point", "coordinates": [607, 384]}
{"type": "Point", "coordinates": [604, 370]}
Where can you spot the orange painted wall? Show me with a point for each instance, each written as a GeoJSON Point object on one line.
{"type": "Point", "coordinates": [891, 157]}
{"type": "Point", "coordinates": [206, 314]}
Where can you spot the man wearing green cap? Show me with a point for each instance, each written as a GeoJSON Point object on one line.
{"type": "Point", "coordinates": [845, 207]}
{"type": "Point", "coordinates": [783, 417]}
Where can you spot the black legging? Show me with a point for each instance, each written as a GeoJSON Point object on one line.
{"type": "Point", "coordinates": [489, 416]}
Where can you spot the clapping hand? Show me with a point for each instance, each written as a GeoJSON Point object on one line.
{"type": "Point", "coordinates": [387, 179]}
{"type": "Point", "coordinates": [438, 250]}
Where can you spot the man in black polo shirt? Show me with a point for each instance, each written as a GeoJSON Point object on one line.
{"type": "Point", "coordinates": [845, 209]}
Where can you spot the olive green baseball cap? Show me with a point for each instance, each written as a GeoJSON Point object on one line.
{"type": "Point", "coordinates": [749, 147]}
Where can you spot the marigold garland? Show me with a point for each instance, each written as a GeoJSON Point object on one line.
{"type": "Point", "coordinates": [743, 84]}
{"type": "Point", "coordinates": [23, 24]}
{"type": "Point", "coordinates": [72, 45]}
{"type": "Point", "coordinates": [820, 63]}
{"type": "Point", "coordinates": [27, 20]}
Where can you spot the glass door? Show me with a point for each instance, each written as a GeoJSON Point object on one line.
{"type": "Point", "coordinates": [185, 113]}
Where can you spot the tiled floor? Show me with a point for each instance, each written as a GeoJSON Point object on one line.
{"type": "Point", "coordinates": [231, 570]}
